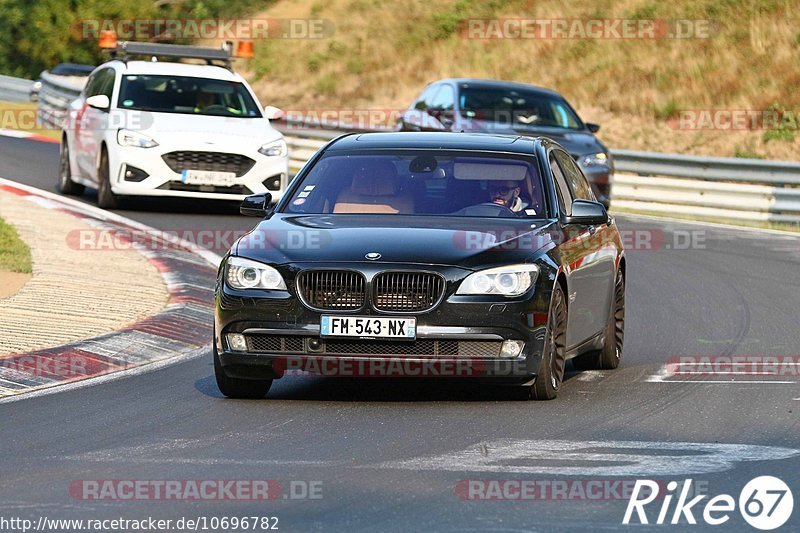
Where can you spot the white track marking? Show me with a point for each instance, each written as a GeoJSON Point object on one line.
{"type": "Point", "coordinates": [590, 375]}
{"type": "Point", "coordinates": [590, 458]}
{"type": "Point", "coordinates": [728, 382]}
{"type": "Point", "coordinates": [15, 133]}
{"type": "Point", "coordinates": [664, 375]}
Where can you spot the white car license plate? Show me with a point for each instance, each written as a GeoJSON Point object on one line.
{"type": "Point", "coordinates": [208, 177]}
{"type": "Point", "coordinates": [366, 326]}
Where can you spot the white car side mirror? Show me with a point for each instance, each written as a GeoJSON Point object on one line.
{"type": "Point", "coordinates": [273, 113]}
{"type": "Point", "coordinates": [98, 101]}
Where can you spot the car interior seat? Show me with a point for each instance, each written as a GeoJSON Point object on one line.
{"type": "Point", "coordinates": [375, 189]}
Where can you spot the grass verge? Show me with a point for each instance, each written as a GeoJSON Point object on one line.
{"type": "Point", "coordinates": [15, 256]}
{"type": "Point", "coordinates": [21, 116]}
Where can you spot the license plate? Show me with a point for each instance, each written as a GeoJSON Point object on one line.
{"type": "Point", "coordinates": [369, 327]}
{"type": "Point", "coordinates": [207, 177]}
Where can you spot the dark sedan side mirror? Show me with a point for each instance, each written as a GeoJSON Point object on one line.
{"type": "Point", "coordinates": [587, 212]}
{"type": "Point", "coordinates": [594, 128]}
{"type": "Point", "coordinates": [255, 205]}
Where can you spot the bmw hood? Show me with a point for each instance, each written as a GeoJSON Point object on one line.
{"type": "Point", "coordinates": [471, 243]}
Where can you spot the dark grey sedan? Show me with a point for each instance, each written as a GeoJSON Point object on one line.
{"type": "Point", "coordinates": [504, 107]}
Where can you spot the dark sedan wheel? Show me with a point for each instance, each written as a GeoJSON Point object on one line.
{"type": "Point", "coordinates": [251, 389]}
{"type": "Point", "coordinates": [551, 369]}
{"type": "Point", "coordinates": [609, 357]}
{"type": "Point", "coordinates": [105, 196]}
{"type": "Point", "coordinates": [65, 183]}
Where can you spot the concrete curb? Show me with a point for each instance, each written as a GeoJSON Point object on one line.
{"type": "Point", "coordinates": [182, 327]}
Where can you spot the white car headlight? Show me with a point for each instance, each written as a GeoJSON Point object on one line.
{"type": "Point", "coordinates": [246, 274]}
{"type": "Point", "coordinates": [134, 138]}
{"type": "Point", "coordinates": [513, 280]}
{"type": "Point", "coordinates": [276, 148]}
{"type": "Point", "coordinates": [594, 160]}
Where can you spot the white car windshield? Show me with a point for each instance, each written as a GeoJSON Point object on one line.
{"type": "Point", "coordinates": [187, 95]}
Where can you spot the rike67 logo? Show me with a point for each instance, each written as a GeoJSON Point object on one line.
{"type": "Point", "coordinates": [765, 503]}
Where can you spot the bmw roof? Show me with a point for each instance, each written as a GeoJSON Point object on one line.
{"type": "Point", "coordinates": [436, 140]}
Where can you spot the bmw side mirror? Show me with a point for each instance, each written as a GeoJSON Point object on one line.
{"type": "Point", "coordinates": [255, 205]}
{"type": "Point", "coordinates": [594, 128]}
{"type": "Point", "coordinates": [98, 101]}
{"type": "Point", "coordinates": [588, 213]}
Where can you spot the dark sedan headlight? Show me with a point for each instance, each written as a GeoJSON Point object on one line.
{"type": "Point", "coordinates": [599, 159]}
{"type": "Point", "coordinates": [246, 274]}
{"type": "Point", "coordinates": [513, 280]}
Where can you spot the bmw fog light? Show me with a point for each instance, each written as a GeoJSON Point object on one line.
{"type": "Point", "coordinates": [511, 348]}
{"type": "Point", "coordinates": [237, 342]}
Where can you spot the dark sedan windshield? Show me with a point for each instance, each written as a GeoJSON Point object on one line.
{"type": "Point", "coordinates": [187, 95]}
{"type": "Point", "coordinates": [411, 182]}
{"type": "Point", "coordinates": [517, 108]}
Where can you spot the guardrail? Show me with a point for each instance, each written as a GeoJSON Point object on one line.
{"type": "Point", "coordinates": [54, 97]}
{"type": "Point", "coordinates": [15, 89]}
{"type": "Point", "coordinates": [725, 188]}
{"type": "Point", "coordinates": [729, 188]}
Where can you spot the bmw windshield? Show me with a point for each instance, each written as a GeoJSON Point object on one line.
{"type": "Point", "coordinates": [419, 182]}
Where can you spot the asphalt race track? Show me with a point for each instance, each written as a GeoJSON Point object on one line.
{"type": "Point", "coordinates": [395, 455]}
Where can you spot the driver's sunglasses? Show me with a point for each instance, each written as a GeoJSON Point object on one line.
{"type": "Point", "coordinates": [501, 190]}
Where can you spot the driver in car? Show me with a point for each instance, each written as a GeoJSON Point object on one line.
{"type": "Point", "coordinates": [206, 100]}
{"type": "Point", "coordinates": [506, 193]}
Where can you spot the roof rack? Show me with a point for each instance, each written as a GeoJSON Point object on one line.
{"type": "Point", "coordinates": [125, 49]}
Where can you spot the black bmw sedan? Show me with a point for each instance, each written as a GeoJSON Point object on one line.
{"type": "Point", "coordinates": [424, 254]}
{"type": "Point", "coordinates": [507, 107]}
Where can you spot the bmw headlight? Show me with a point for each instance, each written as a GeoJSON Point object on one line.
{"type": "Point", "coordinates": [274, 149]}
{"type": "Point", "coordinates": [513, 280]}
{"type": "Point", "coordinates": [134, 138]}
{"type": "Point", "coordinates": [246, 274]}
{"type": "Point", "coordinates": [599, 159]}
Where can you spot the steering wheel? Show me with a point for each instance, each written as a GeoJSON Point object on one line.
{"type": "Point", "coordinates": [488, 209]}
{"type": "Point", "coordinates": [215, 109]}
